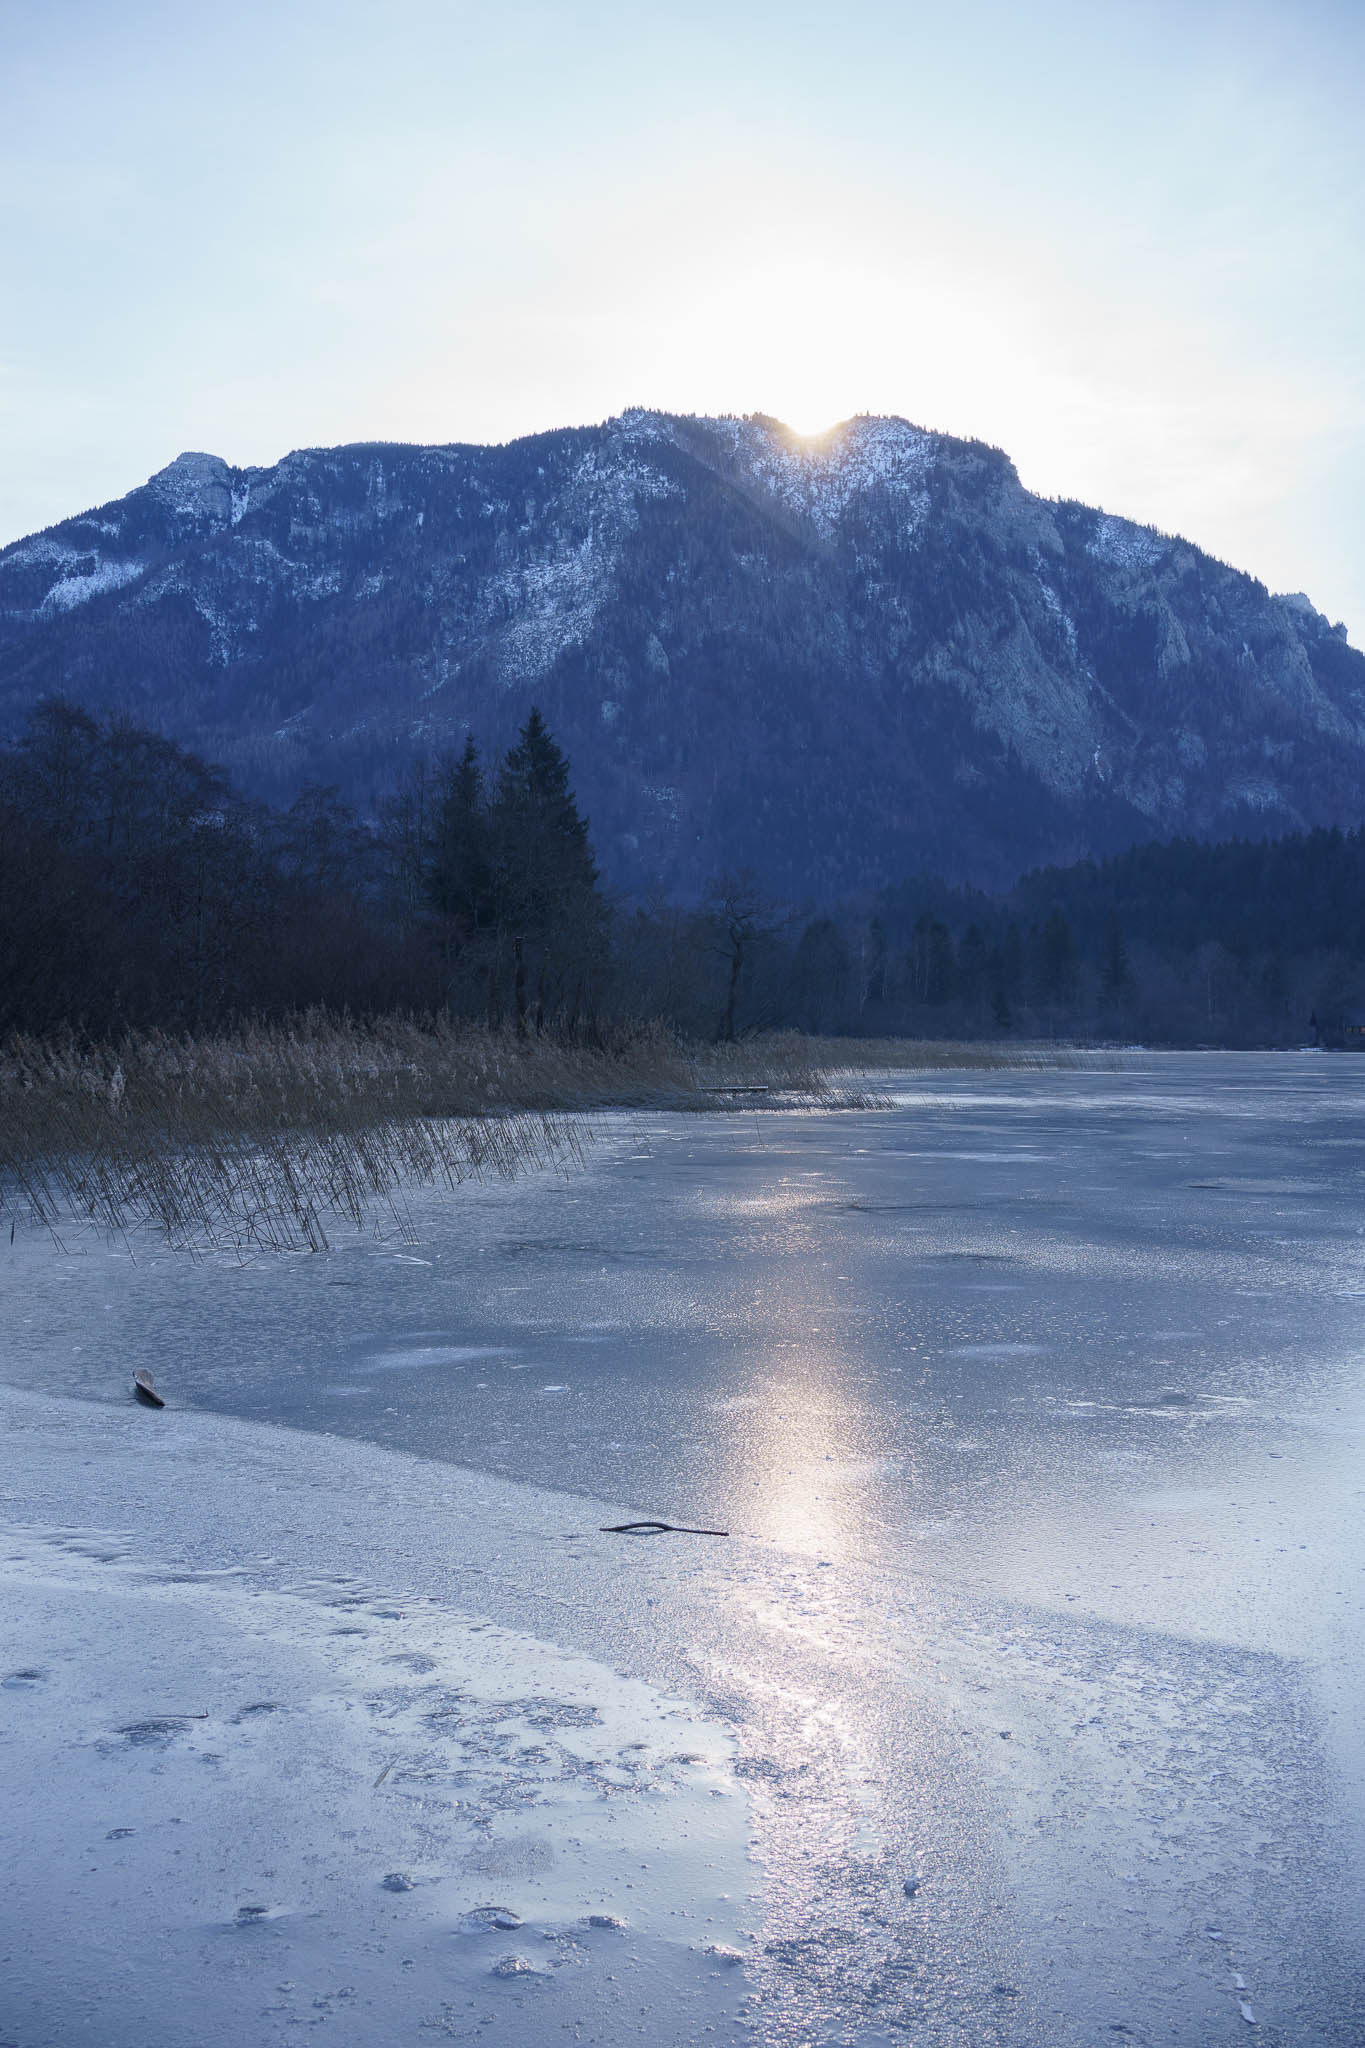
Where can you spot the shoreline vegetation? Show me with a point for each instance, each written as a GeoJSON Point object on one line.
{"type": "Point", "coordinates": [256, 1138]}
{"type": "Point", "coordinates": [236, 1030]}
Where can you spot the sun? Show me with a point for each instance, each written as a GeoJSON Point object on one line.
{"type": "Point", "coordinates": [803, 428]}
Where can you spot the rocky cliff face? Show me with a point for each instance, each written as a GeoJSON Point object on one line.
{"type": "Point", "coordinates": [833, 662]}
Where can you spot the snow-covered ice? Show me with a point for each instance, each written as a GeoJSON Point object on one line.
{"type": "Point", "coordinates": [244, 1792]}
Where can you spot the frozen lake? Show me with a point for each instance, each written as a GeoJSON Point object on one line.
{"type": "Point", "coordinates": [1033, 1404]}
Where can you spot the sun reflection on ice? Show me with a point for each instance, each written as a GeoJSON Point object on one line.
{"type": "Point", "coordinates": [786, 1443]}
{"type": "Point", "coordinates": [804, 1440]}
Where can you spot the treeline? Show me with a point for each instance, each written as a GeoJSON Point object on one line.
{"type": "Point", "coordinates": [139, 889]}
{"type": "Point", "coordinates": [1243, 942]}
{"type": "Point", "coordinates": [1239, 943]}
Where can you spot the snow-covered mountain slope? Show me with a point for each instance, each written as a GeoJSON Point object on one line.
{"type": "Point", "coordinates": [835, 662]}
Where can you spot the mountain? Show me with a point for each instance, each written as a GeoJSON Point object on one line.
{"type": "Point", "coordinates": [835, 662]}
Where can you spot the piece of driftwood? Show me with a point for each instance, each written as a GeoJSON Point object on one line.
{"type": "Point", "coordinates": [144, 1386]}
{"type": "Point", "coordinates": [656, 1529]}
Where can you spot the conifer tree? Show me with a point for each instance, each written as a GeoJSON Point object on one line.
{"type": "Point", "coordinates": [973, 966]}
{"type": "Point", "coordinates": [547, 909]}
{"type": "Point", "coordinates": [459, 873]}
{"type": "Point", "coordinates": [1056, 959]}
{"type": "Point", "coordinates": [1115, 973]}
{"type": "Point", "coordinates": [932, 960]}
{"type": "Point", "coordinates": [875, 991]}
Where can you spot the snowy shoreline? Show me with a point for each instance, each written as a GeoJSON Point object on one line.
{"type": "Point", "coordinates": [255, 1794]}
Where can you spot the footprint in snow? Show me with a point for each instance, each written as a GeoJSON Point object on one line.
{"type": "Point", "coordinates": [483, 1919]}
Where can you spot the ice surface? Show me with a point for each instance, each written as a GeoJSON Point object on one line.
{"type": "Point", "coordinates": [1033, 1403]}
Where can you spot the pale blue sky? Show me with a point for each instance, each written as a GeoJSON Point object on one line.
{"type": "Point", "coordinates": [1125, 241]}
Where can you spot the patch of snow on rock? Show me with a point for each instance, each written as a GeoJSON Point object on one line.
{"type": "Point", "coordinates": [551, 605]}
{"type": "Point", "coordinates": [1256, 795]}
{"type": "Point", "coordinates": [1306, 613]}
{"type": "Point", "coordinates": [665, 795]}
{"type": "Point", "coordinates": [1056, 607]}
{"type": "Point", "coordinates": [41, 549]}
{"type": "Point", "coordinates": [196, 486]}
{"type": "Point", "coordinates": [69, 591]}
{"type": "Point", "coordinates": [1124, 545]}
{"type": "Point", "coordinates": [821, 478]}
{"type": "Point", "coordinates": [548, 602]}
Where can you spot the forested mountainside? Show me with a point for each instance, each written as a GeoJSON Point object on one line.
{"type": "Point", "coordinates": [832, 663]}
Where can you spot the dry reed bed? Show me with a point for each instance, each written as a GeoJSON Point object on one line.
{"type": "Point", "coordinates": [256, 1138]}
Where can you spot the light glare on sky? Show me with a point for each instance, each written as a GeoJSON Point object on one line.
{"type": "Point", "coordinates": [1123, 242]}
